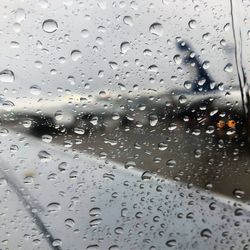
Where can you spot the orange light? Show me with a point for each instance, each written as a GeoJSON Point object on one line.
{"type": "Point", "coordinates": [220, 124]}
{"type": "Point", "coordinates": [231, 123]}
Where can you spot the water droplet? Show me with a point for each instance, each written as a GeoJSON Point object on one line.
{"type": "Point", "coordinates": [84, 33]}
{"type": "Point", "coordinates": [156, 29]}
{"type": "Point", "coordinates": [182, 99]}
{"type": "Point", "coordinates": [206, 233]}
{"type": "Point", "coordinates": [7, 76]}
{"type": "Point", "coordinates": [56, 243]}
{"type": "Point", "coordinates": [95, 222]}
{"type": "Point", "coordinates": [35, 90]}
{"type": "Point", "coordinates": [53, 207]}
{"type": "Point", "coordinates": [69, 223]}
{"type": "Point", "coordinates": [153, 68]}
{"type": "Point", "coordinates": [192, 24]}
{"type": "Point", "coordinates": [177, 59]}
{"type": "Point", "coordinates": [172, 126]}
{"type": "Point", "coordinates": [8, 105]}
{"type": "Point", "coordinates": [62, 166]}
{"type": "Point", "coordinates": [239, 212]}
{"type": "Point", "coordinates": [228, 68]}
{"type": "Point", "coordinates": [147, 175]}
{"type": "Point", "coordinates": [58, 115]}
{"type": "Point", "coordinates": [50, 26]}
{"type": "Point", "coordinates": [171, 243]}
{"type": "Point", "coordinates": [162, 146]}
{"type": "Point", "coordinates": [238, 193]}
{"type": "Point", "coordinates": [113, 65]}
{"type": "Point", "coordinates": [125, 47]}
{"type": "Point", "coordinates": [171, 163]}
{"type": "Point", "coordinates": [187, 84]}
{"type": "Point", "coordinates": [47, 138]}
{"type": "Point", "coordinates": [206, 36]}
{"type": "Point", "coordinates": [44, 156]}
{"type": "Point", "coordinates": [128, 20]}
{"type": "Point", "coordinates": [153, 119]}
{"type": "Point", "coordinates": [95, 211]}
{"type": "Point", "coordinates": [79, 131]}
{"type": "Point", "coordinates": [129, 164]}
{"type": "Point", "coordinates": [76, 55]}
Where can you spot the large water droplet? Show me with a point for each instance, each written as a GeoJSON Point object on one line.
{"type": "Point", "coordinates": [156, 29]}
{"type": "Point", "coordinates": [125, 47]}
{"type": "Point", "coordinates": [7, 76]}
{"type": "Point", "coordinates": [50, 26]}
{"type": "Point", "coordinates": [192, 24]}
{"type": "Point", "coordinates": [76, 55]}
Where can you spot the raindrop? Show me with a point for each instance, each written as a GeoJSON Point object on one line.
{"type": "Point", "coordinates": [35, 90]}
{"type": "Point", "coordinates": [147, 175]}
{"type": "Point", "coordinates": [192, 24]}
{"type": "Point", "coordinates": [56, 243]}
{"type": "Point", "coordinates": [47, 138]}
{"type": "Point", "coordinates": [153, 68]}
{"type": "Point", "coordinates": [128, 20]}
{"type": "Point", "coordinates": [50, 26]}
{"type": "Point", "coordinates": [177, 59]}
{"type": "Point", "coordinates": [53, 207]}
{"type": "Point", "coordinates": [125, 47]}
{"type": "Point", "coordinates": [95, 222]}
{"type": "Point", "coordinates": [76, 55]}
{"type": "Point", "coordinates": [238, 193]}
{"type": "Point", "coordinates": [228, 68]}
{"type": "Point", "coordinates": [44, 156]}
{"type": "Point", "coordinates": [171, 163]}
{"type": "Point", "coordinates": [238, 212]}
{"type": "Point", "coordinates": [162, 146]}
{"type": "Point", "coordinates": [206, 233]}
{"type": "Point", "coordinates": [69, 223]}
{"type": "Point", "coordinates": [182, 99]}
{"type": "Point", "coordinates": [95, 211]}
{"type": "Point", "coordinates": [153, 119]}
{"type": "Point", "coordinates": [7, 76]}
{"type": "Point", "coordinates": [187, 84]}
{"type": "Point", "coordinates": [62, 166]}
{"type": "Point", "coordinates": [171, 243]}
{"type": "Point", "coordinates": [84, 33]}
{"type": "Point", "coordinates": [113, 65]}
{"type": "Point", "coordinates": [156, 29]}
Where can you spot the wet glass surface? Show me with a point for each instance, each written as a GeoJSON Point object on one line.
{"type": "Point", "coordinates": [124, 124]}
